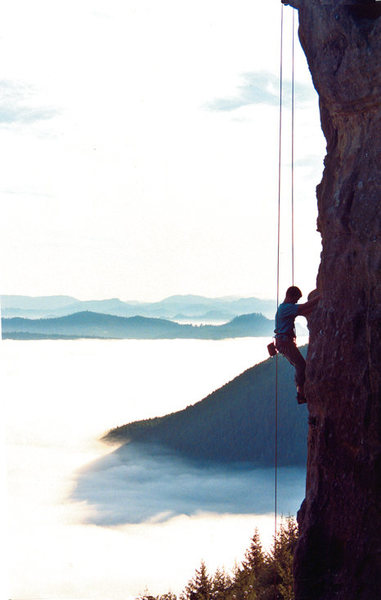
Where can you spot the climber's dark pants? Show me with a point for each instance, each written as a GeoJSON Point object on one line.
{"type": "Point", "coordinates": [288, 348]}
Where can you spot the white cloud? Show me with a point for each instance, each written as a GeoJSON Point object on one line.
{"type": "Point", "coordinates": [262, 88]}
{"type": "Point", "coordinates": [140, 483]}
{"type": "Point", "coordinates": [121, 173]}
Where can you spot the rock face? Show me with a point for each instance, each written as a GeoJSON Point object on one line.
{"type": "Point", "coordinates": [339, 553]}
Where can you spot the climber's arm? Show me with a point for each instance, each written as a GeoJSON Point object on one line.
{"type": "Point", "coordinates": [308, 307]}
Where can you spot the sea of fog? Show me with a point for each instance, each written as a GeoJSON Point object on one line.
{"type": "Point", "coordinates": [83, 524]}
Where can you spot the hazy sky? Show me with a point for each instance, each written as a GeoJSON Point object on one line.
{"type": "Point", "coordinates": [139, 149]}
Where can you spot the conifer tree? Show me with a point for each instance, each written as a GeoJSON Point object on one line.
{"type": "Point", "coordinates": [277, 579]}
{"type": "Point", "coordinates": [284, 555]}
{"type": "Point", "coordinates": [221, 583]}
{"type": "Point", "coordinates": [254, 555]}
{"type": "Point", "coordinates": [261, 576]}
{"type": "Point", "coordinates": [200, 587]}
{"type": "Point", "coordinates": [247, 578]}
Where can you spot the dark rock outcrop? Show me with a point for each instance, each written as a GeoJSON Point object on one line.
{"type": "Point", "coordinates": [339, 553]}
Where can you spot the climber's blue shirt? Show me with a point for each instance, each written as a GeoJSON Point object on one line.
{"type": "Point", "coordinates": [285, 319]}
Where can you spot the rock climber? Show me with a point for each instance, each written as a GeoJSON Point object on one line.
{"type": "Point", "coordinates": [285, 334]}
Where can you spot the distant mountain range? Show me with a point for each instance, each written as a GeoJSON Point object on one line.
{"type": "Point", "coordinates": [185, 307]}
{"type": "Point", "coordinates": [98, 325]}
{"type": "Point", "coordinates": [234, 424]}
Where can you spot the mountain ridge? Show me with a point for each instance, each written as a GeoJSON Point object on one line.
{"type": "Point", "coordinates": [233, 424]}
{"type": "Point", "coordinates": [186, 305]}
{"type": "Point", "coordinates": [104, 326]}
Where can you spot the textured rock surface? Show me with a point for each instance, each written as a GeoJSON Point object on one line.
{"type": "Point", "coordinates": [339, 554]}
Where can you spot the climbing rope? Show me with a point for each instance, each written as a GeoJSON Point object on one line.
{"type": "Point", "coordinates": [292, 148]}
{"type": "Point", "coordinates": [279, 225]}
{"type": "Point", "coordinates": [278, 271]}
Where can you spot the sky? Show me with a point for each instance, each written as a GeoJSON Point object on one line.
{"type": "Point", "coordinates": [139, 149]}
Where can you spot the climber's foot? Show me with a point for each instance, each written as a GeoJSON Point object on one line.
{"type": "Point", "coordinates": [300, 395]}
{"type": "Point", "coordinates": [300, 398]}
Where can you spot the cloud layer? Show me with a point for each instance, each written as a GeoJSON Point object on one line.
{"type": "Point", "coordinates": [140, 483]}
{"type": "Point", "coordinates": [262, 88]}
{"type": "Point", "coordinates": [18, 105]}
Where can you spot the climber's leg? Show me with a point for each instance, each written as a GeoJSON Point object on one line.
{"type": "Point", "coordinates": [297, 360]}
{"type": "Point", "coordinates": [290, 350]}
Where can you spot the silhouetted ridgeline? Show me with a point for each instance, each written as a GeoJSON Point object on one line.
{"type": "Point", "coordinates": [98, 325]}
{"type": "Point", "coordinates": [181, 306]}
{"type": "Point", "coordinates": [234, 423]}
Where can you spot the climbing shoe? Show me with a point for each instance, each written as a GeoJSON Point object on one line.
{"type": "Point", "coordinates": [300, 398]}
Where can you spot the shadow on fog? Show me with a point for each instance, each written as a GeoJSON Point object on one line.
{"type": "Point", "coordinates": [143, 482]}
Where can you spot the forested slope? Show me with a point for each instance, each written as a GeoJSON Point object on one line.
{"type": "Point", "coordinates": [233, 424]}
